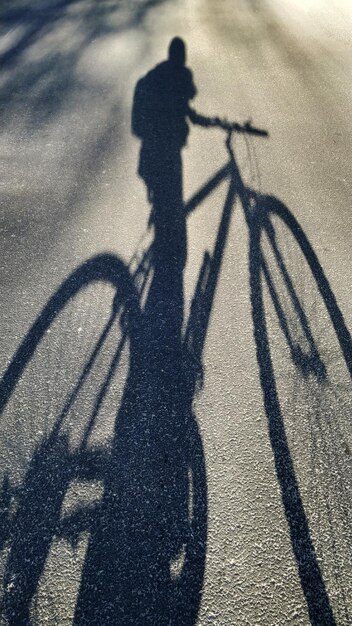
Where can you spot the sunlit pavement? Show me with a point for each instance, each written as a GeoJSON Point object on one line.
{"type": "Point", "coordinates": [273, 410]}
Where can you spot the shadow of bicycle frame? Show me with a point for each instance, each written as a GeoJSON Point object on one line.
{"type": "Point", "coordinates": [30, 541]}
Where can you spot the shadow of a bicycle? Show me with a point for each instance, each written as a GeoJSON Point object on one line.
{"type": "Point", "coordinates": [147, 533]}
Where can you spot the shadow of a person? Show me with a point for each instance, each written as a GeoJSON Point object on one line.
{"type": "Point", "coordinates": [150, 539]}
{"type": "Point", "coordinates": [160, 109]}
{"type": "Point", "coordinates": [159, 119]}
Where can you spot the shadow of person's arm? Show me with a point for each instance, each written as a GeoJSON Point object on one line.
{"type": "Point", "coordinates": [201, 120]}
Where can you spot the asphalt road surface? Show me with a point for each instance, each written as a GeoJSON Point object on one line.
{"type": "Point", "coordinates": [151, 475]}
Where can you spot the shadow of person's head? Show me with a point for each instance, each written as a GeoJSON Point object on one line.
{"type": "Point", "coordinates": [177, 52]}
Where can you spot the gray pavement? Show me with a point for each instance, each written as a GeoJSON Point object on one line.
{"type": "Point", "coordinates": [113, 509]}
